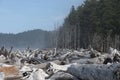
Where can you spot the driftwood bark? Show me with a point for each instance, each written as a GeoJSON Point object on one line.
{"type": "Point", "coordinates": [13, 78]}
{"type": "Point", "coordinates": [43, 65]}
{"type": "Point", "coordinates": [95, 71]}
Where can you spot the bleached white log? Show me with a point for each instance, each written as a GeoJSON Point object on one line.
{"type": "Point", "coordinates": [2, 76]}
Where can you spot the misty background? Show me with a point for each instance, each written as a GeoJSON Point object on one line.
{"type": "Point", "coordinates": [29, 23]}
{"type": "Point", "coordinates": [71, 24]}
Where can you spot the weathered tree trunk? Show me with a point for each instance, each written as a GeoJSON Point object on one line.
{"type": "Point", "coordinates": [95, 71]}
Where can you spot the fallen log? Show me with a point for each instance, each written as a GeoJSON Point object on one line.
{"type": "Point", "coordinates": [43, 65]}
{"type": "Point", "coordinates": [95, 71]}
{"type": "Point", "coordinates": [62, 76]}
{"type": "Point", "coordinates": [13, 78]}
{"type": "Point", "coordinates": [9, 71]}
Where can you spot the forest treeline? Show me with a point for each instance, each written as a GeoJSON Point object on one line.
{"type": "Point", "coordinates": [95, 23]}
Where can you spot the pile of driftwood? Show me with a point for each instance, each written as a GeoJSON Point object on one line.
{"type": "Point", "coordinates": [59, 64]}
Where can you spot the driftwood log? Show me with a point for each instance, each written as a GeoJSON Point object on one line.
{"type": "Point", "coordinates": [95, 71]}
{"type": "Point", "coordinates": [44, 65]}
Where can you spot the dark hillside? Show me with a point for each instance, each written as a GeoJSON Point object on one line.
{"type": "Point", "coordinates": [33, 38]}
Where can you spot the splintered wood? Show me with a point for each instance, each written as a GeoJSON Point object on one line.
{"type": "Point", "coordinates": [9, 71]}
{"type": "Point", "coordinates": [61, 64]}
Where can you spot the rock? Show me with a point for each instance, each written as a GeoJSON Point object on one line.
{"type": "Point", "coordinates": [62, 76]}
{"type": "Point", "coordinates": [94, 71]}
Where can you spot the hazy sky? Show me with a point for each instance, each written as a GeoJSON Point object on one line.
{"type": "Point", "coordinates": [21, 15]}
